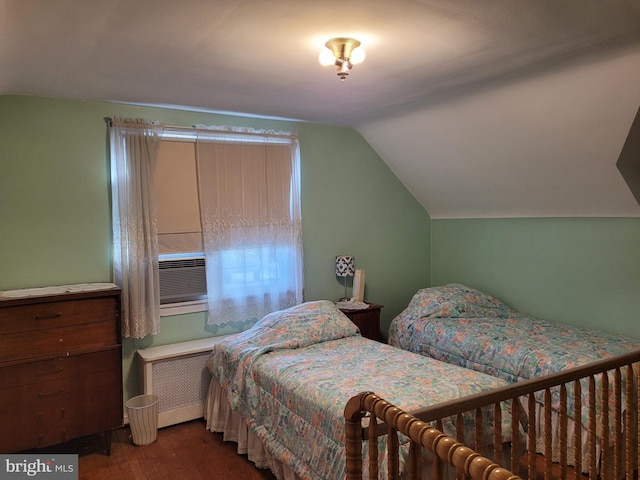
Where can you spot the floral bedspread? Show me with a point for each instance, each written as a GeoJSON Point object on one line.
{"type": "Point", "coordinates": [292, 374]}
{"type": "Point", "coordinates": [465, 327]}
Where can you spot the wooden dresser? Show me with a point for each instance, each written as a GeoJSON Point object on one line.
{"type": "Point", "coordinates": [60, 367]}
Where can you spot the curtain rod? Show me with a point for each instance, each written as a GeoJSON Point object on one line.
{"type": "Point", "coordinates": [231, 130]}
{"type": "Point", "coordinates": [223, 130]}
{"type": "Point", "coordinates": [195, 129]}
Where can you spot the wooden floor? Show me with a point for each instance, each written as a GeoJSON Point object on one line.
{"type": "Point", "coordinates": [184, 451]}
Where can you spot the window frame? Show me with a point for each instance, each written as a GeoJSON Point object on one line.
{"type": "Point", "coordinates": [190, 135]}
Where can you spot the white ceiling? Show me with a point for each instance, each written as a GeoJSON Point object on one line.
{"type": "Point", "coordinates": [487, 108]}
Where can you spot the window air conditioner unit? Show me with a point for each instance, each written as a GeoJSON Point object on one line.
{"type": "Point", "coordinates": [182, 280]}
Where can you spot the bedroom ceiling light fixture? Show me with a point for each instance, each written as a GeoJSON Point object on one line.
{"type": "Point", "coordinates": [344, 53]}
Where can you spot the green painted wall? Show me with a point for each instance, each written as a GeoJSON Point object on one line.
{"type": "Point", "coordinates": [55, 207]}
{"type": "Point", "coordinates": [580, 271]}
{"type": "Point", "coordinates": [55, 226]}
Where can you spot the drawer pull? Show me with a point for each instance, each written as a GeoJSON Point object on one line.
{"type": "Point", "coordinates": [48, 316]}
{"type": "Point", "coordinates": [51, 394]}
{"type": "Point", "coordinates": [51, 372]}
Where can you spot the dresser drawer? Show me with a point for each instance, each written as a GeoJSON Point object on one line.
{"type": "Point", "coordinates": [46, 315]}
{"type": "Point", "coordinates": [61, 341]}
{"type": "Point", "coordinates": [59, 410]}
{"type": "Point", "coordinates": [27, 436]}
{"type": "Point", "coordinates": [46, 370]}
{"type": "Point", "coordinates": [69, 392]}
{"type": "Point", "coordinates": [77, 396]}
{"type": "Point", "coordinates": [36, 372]}
{"type": "Point", "coordinates": [63, 408]}
{"type": "Point", "coordinates": [78, 378]}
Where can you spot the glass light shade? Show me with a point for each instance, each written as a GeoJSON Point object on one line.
{"type": "Point", "coordinates": [326, 57]}
{"type": "Point", "coordinates": [358, 55]}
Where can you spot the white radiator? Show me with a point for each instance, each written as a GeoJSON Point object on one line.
{"type": "Point", "coordinates": [177, 374]}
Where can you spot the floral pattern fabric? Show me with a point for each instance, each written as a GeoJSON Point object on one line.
{"type": "Point", "coordinates": [465, 327]}
{"type": "Point", "coordinates": [292, 374]}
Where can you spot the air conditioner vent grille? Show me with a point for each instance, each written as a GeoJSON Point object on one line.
{"type": "Point", "coordinates": [182, 263]}
{"type": "Point", "coordinates": [182, 280]}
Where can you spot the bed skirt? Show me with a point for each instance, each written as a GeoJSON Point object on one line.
{"type": "Point", "coordinates": [220, 418]}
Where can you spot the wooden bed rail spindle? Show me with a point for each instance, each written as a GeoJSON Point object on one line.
{"type": "Point", "coordinates": [563, 431]}
{"type": "Point", "coordinates": [479, 441]}
{"type": "Point", "coordinates": [516, 415]}
{"type": "Point", "coordinates": [548, 452]}
{"type": "Point", "coordinates": [617, 422]}
{"type": "Point", "coordinates": [466, 461]}
{"type": "Point", "coordinates": [459, 427]}
{"type": "Point", "coordinates": [577, 434]}
{"type": "Point", "coordinates": [604, 426]}
{"type": "Point", "coordinates": [393, 459]}
{"type": "Point", "coordinates": [629, 451]}
{"type": "Point", "coordinates": [373, 448]}
{"type": "Point", "coordinates": [531, 468]}
{"type": "Point", "coordinates": [592, 427]}
{"type": "Point", "coordinates": [498, 455]}
{"type": "Point", "coordinates": [414, 466]}
{"type": "Point", "coordinates": [405, 423]}
{"type": "Point", "coordinates": [353, 415]}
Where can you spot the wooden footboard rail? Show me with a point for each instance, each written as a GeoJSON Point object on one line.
{"type": "Point", "coordinates": [608, 415]}
{"type": "Point", "coordinates": [466, 461]}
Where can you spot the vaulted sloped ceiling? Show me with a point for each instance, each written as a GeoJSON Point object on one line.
{"type": "Point", "coordinates": [546, 145]}
{"type": "Point", "coordinates": [486, 108]}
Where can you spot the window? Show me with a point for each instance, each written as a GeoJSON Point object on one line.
{"type": "Point", "coordinates": [228, 216]}
{"type": "Point", "coordinates": [181, 259]}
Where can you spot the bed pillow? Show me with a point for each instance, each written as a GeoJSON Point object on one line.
{"type": "Point", "coordinates": [455, 300]}
{"type": "Point", "coordinates": [304, 324]}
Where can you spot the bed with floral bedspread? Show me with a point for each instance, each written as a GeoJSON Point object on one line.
{"type": "Point", "coordinates": [463, 326]}
{"type": "Point", "coordinates": [468, 328]}
{"type": "Point", "coordinates": [291, 375]}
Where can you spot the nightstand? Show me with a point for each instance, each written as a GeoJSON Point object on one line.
{"type": "Point", "coordinates": [367, 320]}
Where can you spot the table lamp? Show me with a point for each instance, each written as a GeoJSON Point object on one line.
{"type": "Point", "coordinates": [345, 267]}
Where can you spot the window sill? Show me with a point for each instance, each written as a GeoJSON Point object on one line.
{"type": "Point", "coordinates": [171, 309]}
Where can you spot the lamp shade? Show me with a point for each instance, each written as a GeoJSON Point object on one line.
{"type": "Point", "coordinates": [345, 266]}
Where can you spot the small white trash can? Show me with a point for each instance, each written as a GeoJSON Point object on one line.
{"type": "Point", "coordinates": [143, 418]}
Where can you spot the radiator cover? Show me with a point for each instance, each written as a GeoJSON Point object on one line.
{"type": "Point", "coordinates": [178, 375]}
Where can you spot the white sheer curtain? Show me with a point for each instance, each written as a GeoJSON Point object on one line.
{"type": "Point", "coordinates": [250, 204]}
{"type": "Point", "coordinates": [134, 146]}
